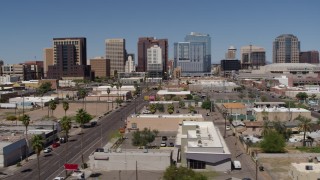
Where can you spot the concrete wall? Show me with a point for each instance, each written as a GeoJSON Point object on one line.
{"type": "Point", "coordinates": [282, 116]}
{"type": "Point", "coordinates": [153, 160]}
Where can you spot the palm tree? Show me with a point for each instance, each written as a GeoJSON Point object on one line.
{"type": "Point", "coordinates": [65, 107]}
{"type": "Point", "coordinates": [112, 85]}
{"type": "Point", "coordinates": [82, 93]}
{"type": "Point", "coordinates": [66, 126]}
{"type": "Point", "coordinates": [37, 146]}
{"type": "Point", "coordinates": [117, 86]}
{"type": "Point", "coordinates": [108, 91]}
{"type": "Point", "coordinates": [52, 106]}
{"type": "Point", "coordinates": [304, 125]}
{"type": "Point", "coordinates": [266, 129]}
{"type": "Point", "coordinates": [82, 117]}
{"type": "Point", "coordinates": [26, 121]}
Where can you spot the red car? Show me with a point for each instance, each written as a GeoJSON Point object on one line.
{"type": "Point", "coordinates": [55, 145]}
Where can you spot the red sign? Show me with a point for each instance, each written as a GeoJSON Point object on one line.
{"type": "Point", "coordinates": [71, 167]}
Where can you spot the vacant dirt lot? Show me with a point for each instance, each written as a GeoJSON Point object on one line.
{"type": "Point", "coordinates": [42, 114]}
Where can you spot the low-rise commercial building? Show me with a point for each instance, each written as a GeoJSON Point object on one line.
{"type": "Point", "coordinates": [234, 108]}
{"type": "Point", "coordinates": [164, 122]}
{"type": "Point", "coordinates": [212, 85]}
{"type": "Point", "coordinates": [202, 146]}
{"type": "Point", "coordinates": [302, 171]}
{"type": "Point", "coordinates": [282, 114]}
{"type": "Point", "coordinates": [163, 93]}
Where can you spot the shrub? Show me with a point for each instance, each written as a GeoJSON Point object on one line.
{"type": "Point", "coordinates": [12, 118]}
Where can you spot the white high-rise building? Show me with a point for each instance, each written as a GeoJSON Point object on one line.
{"type": "Point", "coordinates": [130, 67]}
{"type": "Point", "coordinates": [154, 59]}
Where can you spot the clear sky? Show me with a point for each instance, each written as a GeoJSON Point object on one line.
{"type": "Point", "coordinates": [28, 26]}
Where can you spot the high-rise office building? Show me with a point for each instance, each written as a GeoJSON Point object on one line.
{"type": "Point", "coordinates": [286, 49]}
{"type": "Point", "coordinates": [252, 57]}
{"type": "Point", "coordinates": [154, 60]}
{"type": "Point", "coordinates": [130, 65]}
{"type": "Point", "coordinates": [48, 59]}
{"type": "Point", "coordinates": [144, 44]}
{"type": "Point", "coordinates": [231, 53]}
{"type": "Point", "coordinates": [69, 59]}
{"type": "Point", "coordinates": [193, 55]}
{"type": "Point", "coordinates": [100, 66]}
{"type": "Point", "coordinates": [116, 52]}
{"type": "Point", "coordinates": [311, 57]}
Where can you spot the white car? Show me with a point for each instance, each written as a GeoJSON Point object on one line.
{"type": "Point", "coordinates": [163, 144]}
{"type": "Point", "coordinates": [59, 178]}
{"type": "Point", "coordinates": [78, 174]}
{"type": "Point", "coordinates": [228, 128]}
{"type": "Point", "coordinates": [236, 164]}
{"type": "Point", "coordinates": [47, 150]}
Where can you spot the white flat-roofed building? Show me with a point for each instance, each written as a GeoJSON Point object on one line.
{"type": "Point", "coordinates": [212, 85]}
{"type": "Point", "coordinates": [163, 122]}
{"type": "Point", "coordinates": [171, 92]}
{"type": "Point", "coordinates": [27, 101]}
{"type": "Point", "coordinates": [114, 88]}
{"type": "Point", "coordinates": [280, 113]}
{"type": "Point", "coordinates": [202, 146]}
{"type": "Point", "coordinates": [304, 171]}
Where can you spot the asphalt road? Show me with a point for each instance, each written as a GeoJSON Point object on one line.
{"type": "Point", "coordinates": [52, 163]}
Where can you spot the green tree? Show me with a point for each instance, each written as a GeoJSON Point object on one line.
{"type": "Point", "coordinates": [196, 99]}
{"type": "Point", "coordinates": [160, 107]}
{"type": "Point", "coordinates": [52, 106]}
{"type": "Point", "coordinates": [108, 91]}
{"type": "Point", "coordinates": [26, 121]}
{"type": "Point", "coordinates": [37, 146]}
{"type": "Point", "coordinates": [44, 88]}
{"type": "Point", "coordinates": [266, 128]}
{"type": "Point", "coordinates": [182, 104]}
{"type": "Point", "coordinates": [82, 117]}
{"type": "Point", "coordinates": [170, 108]}
{"type": "Point", "coordinates": [182, 173]}
{"type": "Point", "coordinates": [65, 106]}
{"type": "Point", "coordinates": [263, 98]}
{"type": "Point", "coordinates": [144, 137]}
{"type": "Point", "coordinates": [302, 96]}
{"type": "Point", "coordinates": [176, 98]}
{"type": "Point", "coordinates": [191, 109]}
{"type": "Point", "coordinates": [282, 129]}
{"type": "Point", "coordinates": [304, 125]}
{"type": "Point", "coordinates": [153, 108]}
{"type": "Point", "coordinates": [206, 104]}
{"type": "Point", "coordinates": [273, 142]}
{"type": "Point", "coordinates": [189, 97]}
{"type": "Point", "coordinates": [66, 126]}
{"type": "Point", "coordinates": [82, 93]}
{"type": "Point", "coordinates": [313, 96]}
{"type": "Point", "coordinates": [119, 101]}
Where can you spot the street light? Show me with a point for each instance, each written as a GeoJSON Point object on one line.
{"type": "Point", "coordinates": [256, 159]}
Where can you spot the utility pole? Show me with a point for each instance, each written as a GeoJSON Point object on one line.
{"type": "Point", "coordinates": [136, 170]}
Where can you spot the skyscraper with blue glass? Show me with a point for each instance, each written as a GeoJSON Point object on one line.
{"type": "Point", "coordinates": [193, 55]}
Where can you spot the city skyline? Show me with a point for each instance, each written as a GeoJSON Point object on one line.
{"type": "Point", "coordinates": [228, 23]}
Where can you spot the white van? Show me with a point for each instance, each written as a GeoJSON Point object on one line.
{"type": "Point", "coordinates": [236, 165]}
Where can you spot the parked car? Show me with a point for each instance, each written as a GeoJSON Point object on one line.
{"type": "Point", "coordinates": [228, 128]}
{"type": "Point", "coordinates": [99, 150]}
{"type": "Point", "coordinates": [171, 144]}
{"type": "Point", "coordinates": [163, 144]}
{"type": "Point", "coordinates": [177, 111]}
{"type": "Point", "coordinates": [236, 165]}
{"type": "Point", "coordinates": [55, 145]}
{"type": "Point", "coordinates": [164, 138]}
{"type": "Point", "coordinates": [47, 150]}
{"type": "Point", "coordinates": [208, 114]}
{"type": "Point", "coordinates": [59, 178]}
{"type": "Point", "coordinates": [78, 174]}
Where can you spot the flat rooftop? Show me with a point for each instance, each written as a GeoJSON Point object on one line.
{"type": "Point", "coordinates": [281, 109]}
{"type": "Point", "coordinates": [301, 167]}
{"type": "Point", "coordinates": [168, 116]}
{"type": "Point", "coordinates": [166, 92]}
{"type": "Point", "coordinates": [234, 105]}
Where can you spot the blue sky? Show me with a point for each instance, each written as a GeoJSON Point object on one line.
{"type": "Point", "coordinates": [26, 27]}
